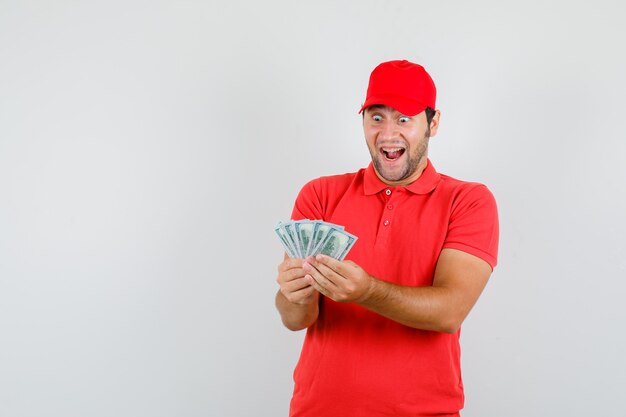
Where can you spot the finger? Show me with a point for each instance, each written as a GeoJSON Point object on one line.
{"type": "Point", "coordinates": [316, 285]}
{"type": "Point", "coordinates": [289, 263]}
{"type": "Point", "coordinates": [296, 285]}
{"type": "Point", "coordinates": [323, 281]}
{"type": "Point", "coordinates": [324, 266]}
{"type": "Point", "coordinates": [330, 274]}
{"type": "Point", "coordinates": [327, 260]}
{"type": "Point", "coordinates": [300, 296]}
{"type": "Point", "coordinates": [290, 275]}
{"type": "Point", "coordinates": [342, 268]}
{"type": "Point", "coordinates": [325, 288]}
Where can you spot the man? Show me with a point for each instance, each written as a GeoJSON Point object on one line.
{"type": "Point", "coordinates": [383, 325]}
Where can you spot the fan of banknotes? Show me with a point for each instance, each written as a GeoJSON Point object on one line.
{"type": "Point", "coordinates": [304, 238]}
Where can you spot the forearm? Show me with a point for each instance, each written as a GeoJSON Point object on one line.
{"type": "Point", "coordinates": [459, 279]}
{"type": "Point", "coordinates": [426, 308]}
{"type": "Point", "coordinates": [297, 316]}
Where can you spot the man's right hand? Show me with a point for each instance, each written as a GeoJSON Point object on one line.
{"type": "Point", "coordinates": [297, 301]}
{"type": "Point", "coordinates": [294, 284]}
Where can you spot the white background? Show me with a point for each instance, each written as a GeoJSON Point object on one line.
{"type": "Point", "coordinates": [147, 148]}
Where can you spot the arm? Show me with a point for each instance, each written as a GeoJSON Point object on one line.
{"type": "Point", "coordinates": [458, 282]}
{"type": "Point", "coordinates": [296, 300]}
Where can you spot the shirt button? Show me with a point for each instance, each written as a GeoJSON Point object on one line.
{"type": "Point", "coordinates": [386, 222]}
{"type": "Point", "coordinates": [388, 191]}
{"type": "Point", "coordinates": [390, 206]}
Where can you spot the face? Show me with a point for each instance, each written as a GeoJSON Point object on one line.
{"type": "Point", "coordinates": [397, 143]}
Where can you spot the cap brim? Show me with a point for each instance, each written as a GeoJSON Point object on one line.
{"type": "Point", "coordinates": [404, 105]}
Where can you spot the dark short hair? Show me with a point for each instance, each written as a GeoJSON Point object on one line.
{"type": "Point", "coordinates": [430, 113]}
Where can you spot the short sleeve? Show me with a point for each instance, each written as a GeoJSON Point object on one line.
{"type": "Point", "coordinates": [318, 198]}
{"type": "Point", "coordinates": [473, 226]}
{"type": "Point", "coordinates": [308, 204]}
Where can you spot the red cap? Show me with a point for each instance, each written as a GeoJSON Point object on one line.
{"type": "Point", "coordinates": [401, 85]}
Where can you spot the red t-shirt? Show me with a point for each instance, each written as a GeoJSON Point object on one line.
{"type": "Point", "coordinates": [355, 362]}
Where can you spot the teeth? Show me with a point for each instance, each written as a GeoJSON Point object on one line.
{"type": "Point", "coordinates": [392, 149]}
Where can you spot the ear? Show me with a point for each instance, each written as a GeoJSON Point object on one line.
{"type": "Point", "coordinates": [434, 123]}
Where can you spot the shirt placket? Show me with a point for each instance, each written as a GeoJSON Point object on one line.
{"type": "Point", "coordinates": [390, 198]}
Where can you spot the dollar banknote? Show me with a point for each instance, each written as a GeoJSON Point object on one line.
{"type": "Point", "coordinates": [302, 238]}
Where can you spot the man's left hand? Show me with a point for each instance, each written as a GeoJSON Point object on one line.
{"type": "Point", "coordinates": [342, 281]}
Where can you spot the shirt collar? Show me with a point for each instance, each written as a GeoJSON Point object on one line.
{"type": "Point", "coordinates": [423, 185]}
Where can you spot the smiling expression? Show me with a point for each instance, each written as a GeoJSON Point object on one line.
{"type": "Point", "coordinates": [397, 143]}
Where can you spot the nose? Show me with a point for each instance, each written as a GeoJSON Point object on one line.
{"type": "Point", "coordinates": [388, 130]}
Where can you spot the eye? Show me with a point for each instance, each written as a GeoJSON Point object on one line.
{"type": "Point", "coordinates": [377, 117]}
{"type": "Point", "coordinates": [404, 119]}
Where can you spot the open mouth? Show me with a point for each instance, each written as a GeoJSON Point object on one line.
{"type": "Point", "coordinates": [391, 154]}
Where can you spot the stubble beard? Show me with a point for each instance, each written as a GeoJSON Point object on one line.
{"type": "Point", "coordinates": [413, 162]}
